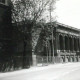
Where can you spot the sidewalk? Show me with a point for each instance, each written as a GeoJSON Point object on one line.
{"type": "Point", "coordinates": [34, 69]}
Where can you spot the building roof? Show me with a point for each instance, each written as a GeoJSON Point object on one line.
{"type": "Point", "coordinates": [67, 26]}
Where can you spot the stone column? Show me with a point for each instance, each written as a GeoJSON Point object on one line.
{"type": "Point", "coordinates": [68, 44]}
{"type": "Point", "coordinates": [74, 58]}
{"type": "Point", "coordinates": [49, 49]}
{"type": "Point", "coordinates": [76, 44]}
{"type": "Point", "coordinates": [70, 58]}
{"type": "Point", "coordinates": [79, 44]}
{"type": "Point", "coordinates": [73, 44]}
{"type": "Point", "coordinates": [64, 43]}
{"type": "Point", "coordinates": [61, 42]}
{"type": "Point", "coordinates": [78, 59]}
{"type": "Point", "coordinates": [66, 58]}
{"type": "Point", "coordinates": [58, 44]}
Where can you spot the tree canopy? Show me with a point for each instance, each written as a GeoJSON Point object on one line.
{"type": "Point", "coordinates": [31, 13]}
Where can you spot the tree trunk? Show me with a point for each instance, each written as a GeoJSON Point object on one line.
{"type": "Point", "coordinates": [27, 53]}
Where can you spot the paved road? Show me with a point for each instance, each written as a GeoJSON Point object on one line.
{"type": "Point", "coordinates": [74, 75]}
{"type": "Point", "coordinates": [66, 71]}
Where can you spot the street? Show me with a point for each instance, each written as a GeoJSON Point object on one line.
{"type": "Point", "coordinates": [75, 75]}
{"type": "Point", "coordinates": [66, 71]}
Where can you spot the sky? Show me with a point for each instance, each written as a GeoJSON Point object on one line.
{"type": "Point", "coordinates": [68, 12]}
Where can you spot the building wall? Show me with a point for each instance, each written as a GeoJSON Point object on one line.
{"type": "Point", "coordinates": [67, 41]}
{"type": "Point", "coordinates": [5, 33]}
{"type": "Point", "coordinates": [66, 45]}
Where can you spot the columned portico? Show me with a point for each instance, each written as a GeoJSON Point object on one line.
{"type": "Point", "coordinates": [68, 44]}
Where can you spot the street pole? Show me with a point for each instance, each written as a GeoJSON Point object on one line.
{"type": "Point", "coordinates": [52, 33]}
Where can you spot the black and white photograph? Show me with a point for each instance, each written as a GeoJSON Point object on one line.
{"type": "Point", "coordinates": [39, 39]}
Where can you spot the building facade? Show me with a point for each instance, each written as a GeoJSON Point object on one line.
{"type": "Point", "coordinates": [5, 33]}
{"type": "Point", "coordinates": [67, 43]}
{"type": "Point", "coordinates": [65, 47]}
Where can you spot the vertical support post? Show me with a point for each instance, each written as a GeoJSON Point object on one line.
{"type": "Point", "coordinates": [74, 58]}
{"type": "Point", "coordinates": [57, 49]}
{"type": "Point", "coordinates": [76, 44]}
{"type": "Point", "coordinates": [79, 45]}
{"type": "Point", "coordinates": [70, 58]}
{"type": "Point", "coordinates": [64, 43]}
{"type": "Point", "coordinates": [72, 44]}
{"type": "Point", "coordinates": [78, 58]}
{"type": "Point", "coordinates": [53, 45]}
{"type": "Point", "coordinates": [49, 49]}
{"type": "Point", "coordinates": [52, 32]}
{"type": "Point", "coordinates": [65, 58]}
{"type": "Point", "coordinates": [68, 44]}
{"type": "Point", "coordinates": [58, 44]}
{"type": "Point", "coordinates": [34, 60]}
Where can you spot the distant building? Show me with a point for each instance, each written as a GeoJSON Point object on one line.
{"type": "Point", "coordinates": [65, 47]}
{"type": "Point", "coordinates": [67, 43]}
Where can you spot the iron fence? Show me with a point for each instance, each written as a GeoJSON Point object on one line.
{"type": "Point", "coordinates": [44, 60]}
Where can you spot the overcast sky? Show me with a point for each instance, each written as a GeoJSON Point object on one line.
{"type": "Point", "coordinates": [68, 12]}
